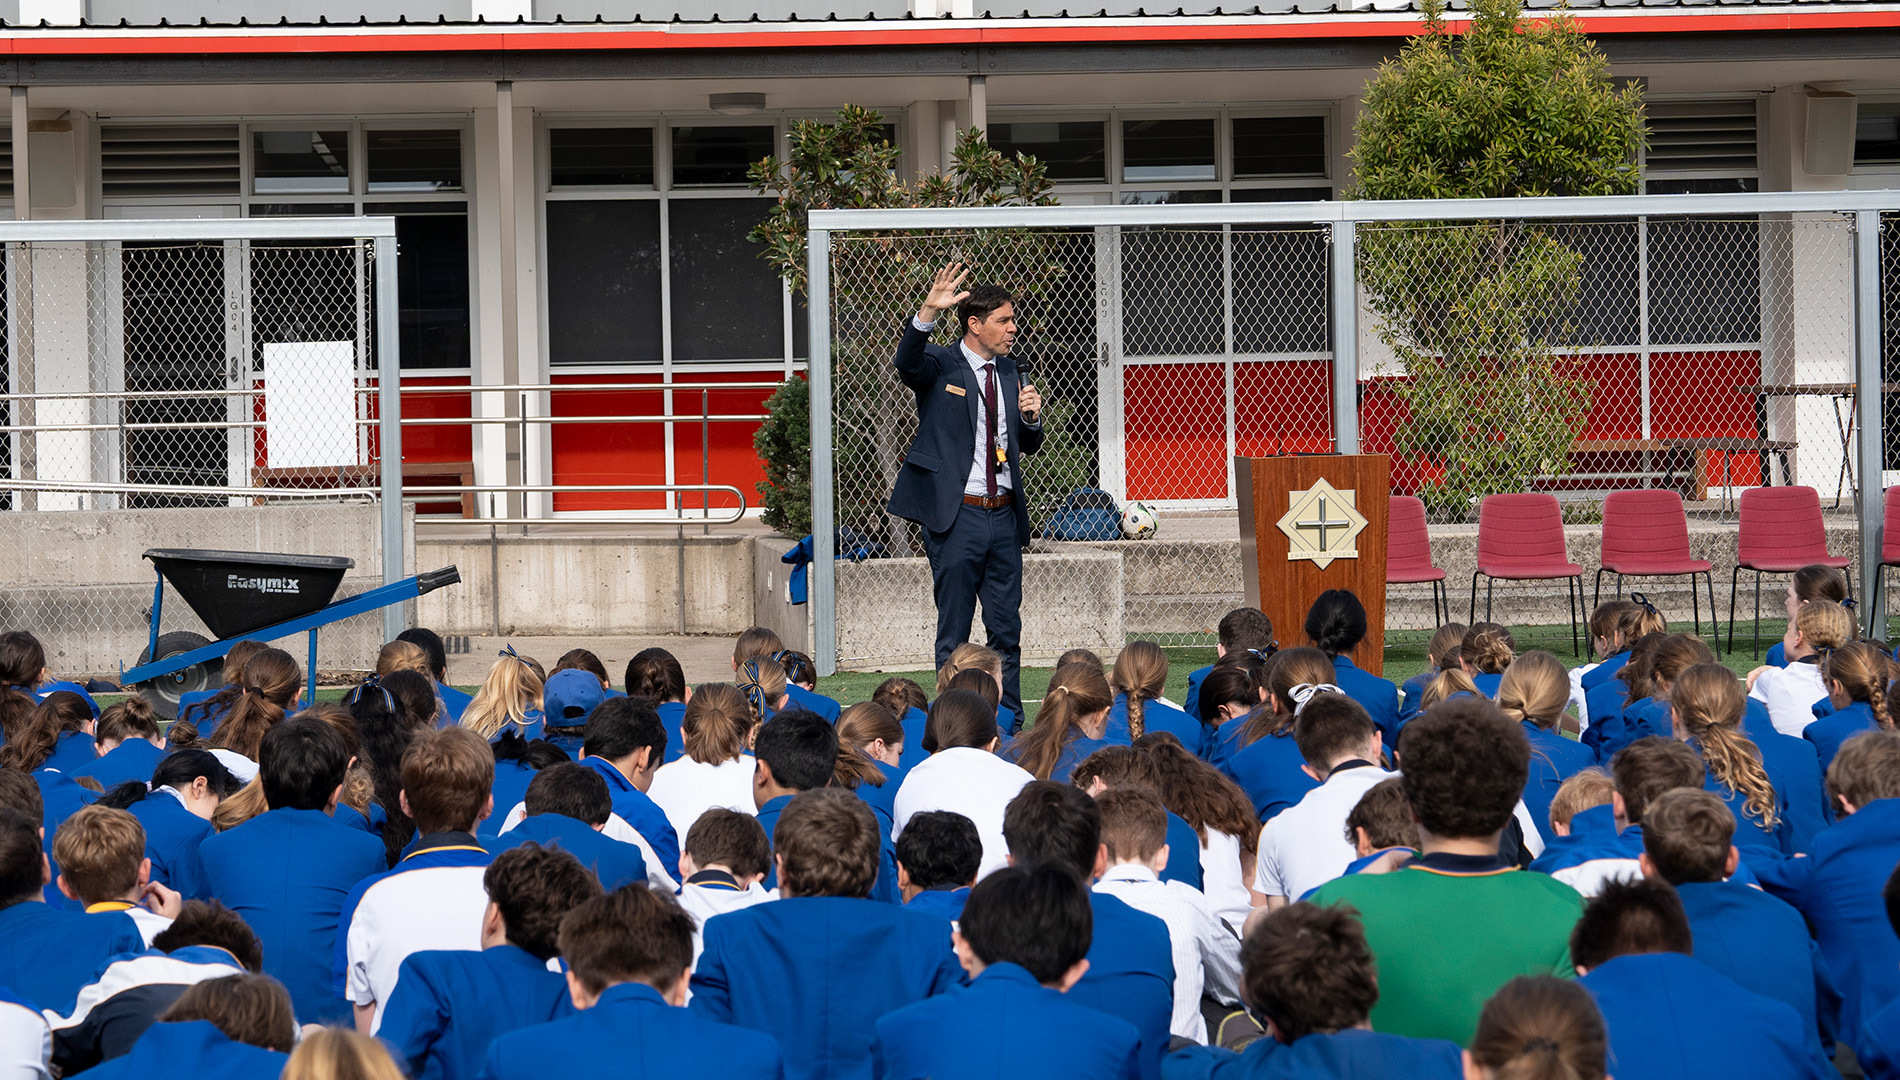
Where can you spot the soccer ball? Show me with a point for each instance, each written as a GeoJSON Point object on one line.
{"type": "Point", "coordinates": [1139, 521]}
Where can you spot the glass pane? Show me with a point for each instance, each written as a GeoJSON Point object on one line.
{"type": "Point", "coordinates": [1070, 150]}
{"type": "Point", "coordinates": [415, 160]}
{"type": "Point", "coordinates": [604, 281]}
{"type": "Point", "coordinates": [718, 155]}
{"type": "Point", "coordinates": [431, 284]}
{"type": "Point", "coordinates": [284, 162]}
{"type": "Point", "coordinates": [1158, 198]}
{"type": "Point", "coordinates": [1280, 146]}
{"type": "Point", "coordinates": [600, 157]}
{"type": "Point", "coordinates": [727, 302]}
{"type": "Point", "coordinates": [1281, 289]}
{"type": "Point", "coordinates": [1167, 150]}
{"type": "Point", "coordinates": [1283, 194]}
{"type": "Point", "coordinates": [302, 210]}
{"type": "Point", "coordinates": [1877, 133]}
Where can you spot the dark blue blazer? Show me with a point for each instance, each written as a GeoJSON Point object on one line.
{"type": "Point", "coordinates": [1604, 671]}
{"type": "Point", "coordinates": [133, 759]}
{"type": "Point", "coordinates": [174, 837]}
{"type": "Point", "coordinates": [1411, 691]}
{"type": "Point", "coordinates": [196, 1049]}
{"type": "Point", "coordinates": [511, 787]}
{"type": "Point", "coordinates": [453, 700]}
{"type": "Point", "coordinates": [1672, 1018]}
{"type": "Point", "coordinates": [1829, 732]}
{"type": "Point", "coordinates": [816, 972]}
{"type": "Point", "coordinates": [1184, 852]}
{"type": "Point", "coordinates": [73, 751]}
{"type": "Point", "coordinates": [913, 720]}
{"type": "Point", "coordinates": [1157, 716]}
{"type": "Point", "coordinates": [809, 699]}
{"type": "Point", "coordinates": [47, 954]}
{"type": "Point", "coordinates": [1762, 944]}
{"type": "Point", "coordinates": [1224, 742]}
{"type": "Point", "coordinates": [673, 718]}
{"type": "Point", "coordinates": [1268, 770]}
{"type": "Point", "coordinates": [1777, 655]}
{"type": "Point", "coordinates": [884, 889]}
{"type": "Point", "coordinates": [1488, 684]}
{"type": "Point", "coordinates": [1605, 703]}
{"type": "Point", "coordinates": [1554, 759]}
{"type": "Point", "coordinates": [929, 488]}
{"type": "Point", "coordinates": [1192, 703]}
{"type": "Point", "coordinates": [1794, 767]}
{"type": "Point", "coordinates": [1131, 975]}
{"type": "Point", "coordinates": [60, 798]}
{"type": "Point", "coordinates": [1379, 696]}
{"type": "Point", "coordinates": [1004, 1026]}
{"type": "Point", "coordinates": [449, 1005]}
{"type": "Point", "coordinates": [1879, 1045]}
{"type": "Point", "coordinates": [642, 813]}
{"type": "Point", "coordinates": [1074, 752]}
{"type": "Point", "coordinates": [631, 1033]}
{"type": "Point", "coordinates": [1352, 1054]}
{"type": "Point", "coordinates": [288, 873]}
{"type": "Point", "coordinates": [946, 902]}
{"type": "Point", "coordinates": [614, 862]}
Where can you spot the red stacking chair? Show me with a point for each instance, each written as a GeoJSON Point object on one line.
{"type": "Point", "coordinates": [1889, 544]}
{"type": "Point", "coordinates": [1408, 553]}
{"type": "Point", "coordinates": [1521, 538]}
{"type": "Point", "coordinates": [1781, 532]}
{"type": "Point", "coordinates": [1646, 534]}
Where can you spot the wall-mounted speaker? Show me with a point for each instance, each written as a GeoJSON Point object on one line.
{"type": "Point", "coordinates": [1830, 142]}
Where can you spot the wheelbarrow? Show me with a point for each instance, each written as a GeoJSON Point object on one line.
{"type": "Point", "coordinates": [247, 595]}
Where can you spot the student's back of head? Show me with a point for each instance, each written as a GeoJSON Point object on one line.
{"type": "Point", "coordinates": [1336, 623]}
{"type": "Point", "coordinates": [1245, 628]}
{"type": "Point", "coordinates": [1036, 917]}
{"type": "Point", "coordinates": [207, 922]}
{"type": "Point", "coordinates": [1865, 769]}
{"type": "Point", "coordinates": [1541, 1028]}
{"type": "Point", "coordinates": [939, 849]}
{"type": "Point", "coordinates": [799, 747]}
{"type": "Point", "coordinates": [252, 1009]}
{"type": "Point", "coordinates": [100, 851]}
{"type": "Point", "coordinates": [716, 723]}
{"type": "Point", "coordinates": [1585, 788]}
{"type": "Point", "coordinates": [727, 838]}
{"type": "Point", "coordinates": [1331, 726]}
{"type": "Point", "coordinates": [900, 695]}
{"type": "Point", "coordinates": [1134, 825]}
{"type": "Point", "coordinates": [1116, 767]}
{"type": "Point", "coordinates": [447, 777]}
{"type": "Point", "coordinates": [570, 790]}
{"type": "Point", "coordinates": [1464, 767]}
{"type": "Point", "coordinates": [1687, 836]}
{"type": "Point", "coordinates": [1381, 819]}
{"type": "Point", "coordinates": [431, 643]}
{"type": "Point", "coordinates": [753, 643]}
{"type": "Point", "coordinates": [1052, 822]}
{"type": "Point", "coordinates": [619, 728]}
{"type": "Point", "coordinates": [827, 844]}
{"type": "Point", "coordinates": [22, 867]}
{"type": "Point", "coordinates": [1307, 969]}
{"type": "Point", "coordinates": [1650, 766]}
{"type": "Point", "coordinates": [301, 763]}
{"type": "Point", "coordinates": [959, 718]}
{"type": "Point", "coordinates": [981, 683]}
{"type": "Point", "coordinates": [1628, 918]}
{"type": "Point", "coordinates": [132, 718]}
{"type": "Point", "coordinates": [630, 935]}
{"type": "Point", "coordinates": [331, 1053]}
{"type": "Point", "coordinates": [533, 888]}
{"type": "Point", "coordinates": [656, 674]}
{"type": "Point", "coordinates": [19, 791]}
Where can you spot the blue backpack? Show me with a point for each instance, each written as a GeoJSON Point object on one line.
{"type": "Point", "coordinates": [1087, 514]}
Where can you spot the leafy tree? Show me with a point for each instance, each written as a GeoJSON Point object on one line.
{"type": "Point", "coordinates": [1480, 312]}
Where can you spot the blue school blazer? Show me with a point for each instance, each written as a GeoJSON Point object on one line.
{"type": "Point", "coordinates": [511, 787]}
{"type": "Point", "coordinates": [1488, 684]}
{"type": "Point", "coordinates": [47, 954]}
{"type": "Point", "coordinates": [1410, 691]}
{"type": "Point", "coordinates": [1762, 944]}
{"type": "Point", "coordinates": [1878, 1046]}
{"type": "Point", "coordinates": [1604, 702]}
{"type": "Point", "coordinates": [631, 1033]}
{"type": "Point", "coordinates": [1184, 852]}
{"type": "Point", "coordinates": [1074, 752]}
{"type": "Point", "coordinates": [1344, 1055]}
{"type": "Point", "coordinates": [196, 1049]}
{"type": "Point", "coordinates": [1605, 671]}
{"type": "Point", "coordinates": [1002, 1026]}
{"type": "Point", "coordinates": [1794, 767]}
{"type": "Point", "coordinates": [449, 1005]}
{"type": "Point", "coordinates": [1554, 759]}
{"type": "Point", "coordinates": [174, 838]}
{"type": "Point", "coordinates": [913, 720]}
{"type": "Point", "coordinates": [1131, 975]}
{"type": "Point", "coordinates": [1379, 696]}
{"type": "Point", "coordinates": [1593, 837]}
{"type": "Point", "coordinates": [1268, 770]}
{"type": "Point", "coordinates": [1192, 703]}
{"type": "Point", "coordinates": [60, 798]}
{"type": "Point", "coordinates": [1157, 716]}
{"type": "Point", "coordinates": [133, 759]}
{"type": "Point", "coordinates": [1829, 732]}
{"type": "Point", "coordinates": [74, 751]}
{"type": "Point", "coordinates": [816, 972]}
{"type": "Point", "coordinates": [673, 718]}
{"type": "Point", "coordinates": [1671, 1017]}
{"type": "Point", "coordinates": [942, 901]}
{"type": "Point", "coordinates": [642, 813]}
{"type": "Point", "coordinates": [288, 872]}
{"type": "Point", "coordinates": [816, 702]}
{"type": "Point", "coordinates": [614, 862]}
{"type": "Point", "coordinates": [1777, 655]}
{"type": "Point", "coordinates": [454, 701]}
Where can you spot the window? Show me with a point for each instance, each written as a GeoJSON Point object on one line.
{"type": "Point", "coordinates": [1167, 150]}
{"type": "Point", "coordinates": [705, 156]}
{"type": "Point", "coordinates": [1275, 146]}
{"type": "Point", "coordinates": [432, 270]}
{"type": "Point", "coordinates": [600, 157]}
{"type": "Point", "coordinates": [604, 281]}
{"type": "Point", "coordinates": [1068, 149]}
{"type": "Point", "coordinates": [726, 300]}
{"type": "Point", "coordinates": [1877, 133]}
{"type": "Point", "coordinates": [300, 162]}
{"type": "Point", "coordinates": [413, 162]}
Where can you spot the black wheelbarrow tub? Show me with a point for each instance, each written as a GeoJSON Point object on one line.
{"type": "Point", "coordinates": [236, 592]}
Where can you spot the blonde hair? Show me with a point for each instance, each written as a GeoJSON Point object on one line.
{"type": "Point", "coordinates": [335, 1054]}
{"type": "Point", "coordinates": [1824, 625]}
{"type": "Point", "coordinates": [1488, 648]}
{"type": "Point", "coordinates": [1141, 670]}
{"type": "Point", "coordinates": [403, 656]}
{"type": "Point", "coordinates": [1535, 688]}
{"type": "Point", "coordinates": [1446, 683]}
{"type": "Point", "coordinates": [1075, 691]}
{"type": "Point", "coordinates": [243, 805]}
{"type": "Point", "coordinates": [715, 725]}
{"type": "Point", "coordinates": [970, 656]}
{"type": "Point", "coordinates": [510, 692]}
{"type": "Point", "coordinates": [1586, 788]}
{"type": "Point", "coordinates": [99, 850]}
{"type": "Point", "coordinates": [1861, 669]}
{"type": "Point", "coordinates": [762, 681]}
{"type": "Point", "coordinates": [1708, 702]}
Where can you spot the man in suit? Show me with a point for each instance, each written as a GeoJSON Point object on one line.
{"type": "Point", "coordinates": [960, 481]}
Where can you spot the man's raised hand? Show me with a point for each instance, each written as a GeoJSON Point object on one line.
{"type": "Point", "coordinates": [946, 292]}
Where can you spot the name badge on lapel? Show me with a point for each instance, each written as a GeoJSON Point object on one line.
{"type": "Point", "coordinates": [955, 389]}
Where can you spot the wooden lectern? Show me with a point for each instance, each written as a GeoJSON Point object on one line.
{"type": "Point", "coordinates": [1308, 524]}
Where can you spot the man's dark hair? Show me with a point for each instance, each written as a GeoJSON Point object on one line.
{"type": "Point", "coordinates": [980, 304]}
{"type": "Point", "coordinates": [827, 842]}
{"type": "Point", "coordinates": [800, 746]}
{"type": "Point", "coordinates": [1330, 725]}
{"type": "Point", "coordinates": [300, 762]}
{"type": "Point", "coordinates": [620, 726]}
{"type": "Point", "coordinates": [207, 922]}
{"type": "Point", "coordinates": [632, 934]}
{"type": "Point", "coordinates": [254, 1009]}
{"type": "Point", "coordinates": [1463, 767]}
{"type": "Point", "coordinates": [1687, 834]}
{"type": "Point", "coordinates": [1630, 917]}
{"type": "Point", "coordinates": [1647, 768]}
{"type": "Point", "coordinates": [1245, 628]}
{"type": "Point", "coordinates": [1308, 968]}
{"type": "Point", "coordinates": [20, 857]}
{"type": "Point", "coordinates": [535, 887]}
{"type": "Point", "coordinates": [1036, 917]}
{"type": "Point", "coordinates": [19, 791]}
{"type": "Point", "coordinates": [940, 848]}
{"type": "Point", "coordinates": [429, 642]}
{"type": "Point", "coordinates": [728, 838]}
{"type": "Point", "coordinates": [570, 790]}
{"type": "Point", "coordinates": [1053, 822]}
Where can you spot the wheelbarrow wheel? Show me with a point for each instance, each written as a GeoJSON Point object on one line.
{"type": "Point", "coordinates": [164, 692]}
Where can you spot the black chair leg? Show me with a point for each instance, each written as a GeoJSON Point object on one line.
{"type": "Point", "coordinates": [1473, 615]}
{"type": "Point", "coordinates": [1758, 614]}
{"type": "Point", "coordinates": [1695, 605]}
{"type": "Point", "coordinates": [1490, 584]}
{"type": "Point", "coordinates": [1715, 630]}
{"type": "Point", "coordinates": [1734, 585]}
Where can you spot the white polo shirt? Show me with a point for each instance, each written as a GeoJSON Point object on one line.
{"type": "Point", "coordinates": [968, 781]}
{"type": "Point", "coordinates": [1206, 955]}
{"type": "Point", "coordinates": [26, 1042]}
{"type": "Point", "coordinates": [684, 789]}
{"type": "Point", "coordinates": [433, 899]}
{"type": "Point", "coordinates": [1305, 845]}
{"type": "Point", "coordinates": [1790, 694]}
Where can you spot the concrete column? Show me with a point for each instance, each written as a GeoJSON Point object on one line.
{"type": "Point", "coordinates": [979, 102]}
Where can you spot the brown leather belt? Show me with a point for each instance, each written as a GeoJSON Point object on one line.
{"type": "Point", "coordinates": [988, 502]}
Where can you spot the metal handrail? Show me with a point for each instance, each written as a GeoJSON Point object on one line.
{"type": "Point", "coordinates": [253, 391]}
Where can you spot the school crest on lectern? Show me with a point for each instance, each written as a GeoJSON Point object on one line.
{"type": "Point", "coordinates": [1322, 524]}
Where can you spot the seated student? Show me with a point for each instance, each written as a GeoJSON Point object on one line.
{"type": "Point", "coordinates": [175, 810]}
{"type": "Point", "coordinates": [1206, 953]}
{"type": "Point", "coordinates": [1230, 694]}
{"type": "Point", "coordinates": [761, 643]}
{"type": "Point", "coordinates": [509, 700]}
{"type": "Point", "coordinates": [626, 744]}
{"type": "Point", "coordinates": [1336, 624]}
{"type": "Point", "coordinates": [336, 1054]}
{"type": "Point", "coordinates": [129, 744]}
{"type": "Point", "coordinates": [74, 723]}
{"type": "Point", "coordinates": [1131, 961]}
{"type": "Point", "coordinates": [1381, 831]}
{"type": "Point", "coordinates": [1486, 651]}
{"type": "Point", "coordinates": [870, 734]}
{"type": "Point", "coordinates": [801, 684]}
{"type": "Point", "coordinates": [583, 660]}
{"type": "Point", "coordinates": [1266, 760]}
{"type": "Point", "coordinates": [725, 861]}
{"type": "Point", "coordinates": [517, 763]}
{"type": "Point", "coordinates": [1632, 946]}
{"type": "Point", "coordinates": [907, 702]}
{"type": "Point", "coordinates": [816, 968]}
{"type": "Point", "coordinates": [628, 955]}
{"type": "Point", "coordinates": [48, 953]}
{"type": "Point", "coordinates": [1877, 1046]}
{"type": "Point", "coordinates": [1309, 977]}
{"type": "Point", "coordinates": [1610, 730]}
{"type": "Point", "coordinates": [1583, 828]}
{"type": "Point", "coordinates": [656, 674]}
{"type": "Point", "coordinates": [1742, 932]}
{"type": "Point", "coordinates": [203, 709]}
{"type": "Point", "coordinates": [1464, 767]}
{"type": "Point", "coordinates": [1790, 693]}
{"type": "Point", "coordinates": [798, 751]}
{"type": "Point", "coordinates": [1706, 706]}
{"type": "Point", "coordinates": [1070, 724]}
{"type": "Point", "coordinates": [715, 770]}
{"type": "Point", "coordinates": [449, 1005]}
{"type": "Point", "coordinates": [273, 682]}
{"type": "Point", "coordinates": [937, 860]}
{"type": "Point", "coordinates": [962, 774]}
{"type": "Point", "coordinates": [454, 701]}
{"type": "Point", "coordinates": [1238, 631]}
{"type": "Point", "coordinates": [1441, 655]}
{"type": "Point", "coordinates": [1535, 1026]}
{"type": "Point", "coordinates": [102, 866]}
{"type": "Point", "coordinates": [1024, 940]}
{"type": "Point", "coordinates": [1643, 771]}
{"type": "Point", "coordinates": [28, 786]}
{"type": "Point", "coordinates": [762, 681]}
{"type": "Point", "coordinates": [239, 1027]}
{"type": "Point", "coordinates": [1306, 846]}
{"type": "Point", "coordinates": [287, 871]}
{"type": "Point", "coordinates": [1857, 688]}
{"type": "Point", "coordinates": [1837, 888]}
{"type": "Point", "coordinates": [434, 898]}
{"type": "Point", "coordinates": [1811, 584]}
{"type": "Point", "coordinates": [1140, 675]}
{"type": "Point", "coordinates": [1124, 767]}
{"type": "Point", "coordinates": [566, 701]}
{"type": "Point", "coordinates": [1534, 692]}
{"type": "Point", "coordinates": [566, 805]}
{"type": "Point", "coordinates": [26, 1042]}
{"type": "Point", "coordinates": [1220, 826]}
{"type": "Point", "coordinates": [1606, 641]}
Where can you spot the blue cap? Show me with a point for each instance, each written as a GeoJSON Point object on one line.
{"type": "Point", "coordinates": [570, 697]}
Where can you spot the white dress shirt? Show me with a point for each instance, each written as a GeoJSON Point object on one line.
{"type": "Point", "coordinates": [1790, 694]}
{"type": "Point", "coordinates": [1305, 845]}
{"type": "Point", "coordinates": [1206, 955]}
{"type": "Point", "coordinates": [978, 483]}
{"type": "Point", "coordinates": [26, 1043]}
{"type": "Point", "coordinates": [1221, 880]}
{"type": "Point", "coordinates": [968, 781]}
{"type": "Point", "coordinates": [685, 789]}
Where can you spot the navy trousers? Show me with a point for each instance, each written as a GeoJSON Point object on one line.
{"type": "Point", "coordinates": [979, 556]}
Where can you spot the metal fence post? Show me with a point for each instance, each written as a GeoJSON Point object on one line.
{"type": "Point", "coordinates": [1345, 327]}
{"type": "Point", "coordinates": [823, 579]}
{"type": "Point", "coordinates": [389, 424]}
{"type": "Point", "coordinates": [1869, 401]}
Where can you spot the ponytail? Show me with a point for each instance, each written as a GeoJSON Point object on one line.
{"type": "Point", "coordinates": [855, 768]}
{"type": "Point", "coordinates": [1287, 669]}
{"type": "Point", "coordinates": [1540, 1028]}
{"type": "Point", "coordinates": [1708, 701]}
{"type": "Point", "coordinates": [1535, 688]}
{"type": "Point", "coordinates": [716, 723]}
{"type": "Point", "coordinates": [32, 730]}
{"type": "Point", "coordinates": [1141, 670]}
{"type": "Point", "coordinates": [762, 681]}
{"type": "Point", "coordinates": [1861, 669]}
{"type": "Point", "coordinates": [1076, 691]}
{"type": "Point", "coordinates": [270, 683]}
